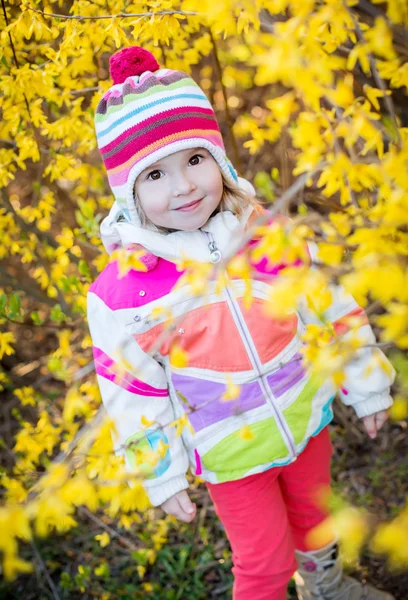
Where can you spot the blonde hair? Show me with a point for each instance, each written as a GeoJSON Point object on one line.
{"type": "Point", "coordinates": [233, 199]}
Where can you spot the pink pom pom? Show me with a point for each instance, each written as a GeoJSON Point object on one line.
{"type": "Point", "coordinates": [131, 61]}
{"type": "Point", "coordinates": [149, 260]}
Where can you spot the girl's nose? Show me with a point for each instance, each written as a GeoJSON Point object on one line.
{"type": "Point", "coordinates": [182, 185]}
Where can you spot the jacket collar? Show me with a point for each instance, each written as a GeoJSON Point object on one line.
{"type": "Point", "coordinates": [116, 232]}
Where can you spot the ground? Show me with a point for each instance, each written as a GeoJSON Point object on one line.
{"type": "Point", "coordinates": [196, 563]}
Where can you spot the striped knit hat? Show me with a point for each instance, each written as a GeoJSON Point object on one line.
{"type": "Point", "coordinates": [150, 113]}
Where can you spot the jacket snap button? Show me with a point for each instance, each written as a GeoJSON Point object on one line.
{"type": "Point", "coordinates": [142, 293]}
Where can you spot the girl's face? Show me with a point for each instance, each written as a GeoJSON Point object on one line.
{"type": "Point", "coordinates": [182, 190]}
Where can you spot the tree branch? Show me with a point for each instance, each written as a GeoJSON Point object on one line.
{"type": "Point", "coordinates": [379, 81]}
{"type": "Point", "coordinates": [229, 120]}
{"type": "Point", "coordinates": [117, 16]}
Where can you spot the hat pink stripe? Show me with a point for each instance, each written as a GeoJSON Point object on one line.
{"type": "Point", "coordinates": [183, 111]}
{"type": "Point", "coordinates": [155, 135]}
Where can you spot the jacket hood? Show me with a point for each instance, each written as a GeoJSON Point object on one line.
{"type": "Point", "coordinates": [119, 229]}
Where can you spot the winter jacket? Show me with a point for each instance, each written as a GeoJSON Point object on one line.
{"type": "Point", "coordinates": [144, 393]}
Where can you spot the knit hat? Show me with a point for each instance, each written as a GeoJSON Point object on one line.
{"type": "Point", "coordinates": [148, 114]}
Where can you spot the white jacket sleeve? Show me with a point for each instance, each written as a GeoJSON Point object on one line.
{"type": "Point", "coordinates": [369, 375]}
{"type": "Point", "coordinates": [133, 385]}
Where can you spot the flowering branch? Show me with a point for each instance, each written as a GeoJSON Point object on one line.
{"type": "Point", "coordinates": [118, 16]}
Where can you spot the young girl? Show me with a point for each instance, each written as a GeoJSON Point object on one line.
{"type": "Point", "coordinates": [177, 195]}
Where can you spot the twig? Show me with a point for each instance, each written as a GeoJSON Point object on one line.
{"type": "Point", "coordinates": [11, 39]}
{"type": "Point", "coordinates": [112, 532]}
{"type": "Point", "coordinates": [198, 526]}
{"type": "Point", "coordinates": [340, 412]}
{"type": "Point", "coordinates": [84, 90]}
{"type": "Point", "coordinates": [43, 568]}
{"type": "Point", "coordinates": [117, 16]}
{"type": "Point", "coordinates": [229, 120]}
{"type": "Point", "coordinates": [379, 81]}
{"type": "Point", "coordinates": [17, 64]}
{"type": "Point", "coordinates": [8, 143]}
{"type": "Point", "coordinates": [73, 325]}
{"type": "Point", "coordinates": [8, 280]}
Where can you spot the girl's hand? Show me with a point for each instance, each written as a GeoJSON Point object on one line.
{"type": "Point", "coordinates": [180, 506]}
{"type": "Point", "coordinates": [373, 423]}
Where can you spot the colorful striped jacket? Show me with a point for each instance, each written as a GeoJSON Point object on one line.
{"type": "Point", "coordinates": [283, 405]}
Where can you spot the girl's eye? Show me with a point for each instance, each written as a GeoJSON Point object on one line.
{"type": "Point", "coordinates": [196, 159]}
{"type": "Point", "coordinates": [154, 175]}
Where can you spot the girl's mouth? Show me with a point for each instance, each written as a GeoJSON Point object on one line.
{"type": "Point", "coordinates": [189, 207]}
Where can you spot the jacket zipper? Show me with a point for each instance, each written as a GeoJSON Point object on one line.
{"type": "Point", "coordinates": [215, 256]}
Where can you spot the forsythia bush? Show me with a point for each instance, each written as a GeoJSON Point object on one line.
{"type": "Point", "coordinates": [319, 83]}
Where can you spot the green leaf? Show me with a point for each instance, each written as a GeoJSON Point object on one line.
{"type": "Point", "coordinates": [17, 415]}
{"type": "Point", "coordinates": [84, 269]}
{"type": "Point", "coordinates": [3, 302]}
{"type": "Point", "coordinates": [265, 185]}
{"type": "Point", "coordinates": [65, 581]}
{"type": "Point", "coordinates": [275, 174]}
{"type": "Point", "coordinates": [102, 570]}
{"type": "Point", "coordinates": [140, 557]}
{"type": "Point", "coordinates": [55, 365]}
{"type": "Point", "coordinates": [15, 305]}
{"type": "Point", "coordinates": [36, 319]}
{"type": "Point", "coordinates": [57, 315]}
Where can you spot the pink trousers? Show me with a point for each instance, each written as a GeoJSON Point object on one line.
{"type": "Point", "coordinates": [266, 516]}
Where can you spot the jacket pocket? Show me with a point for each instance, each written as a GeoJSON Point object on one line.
{"type": "Point", "coordinates": [244, 449]}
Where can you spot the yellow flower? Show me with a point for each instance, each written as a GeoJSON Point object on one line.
{"type": "Point", "coordinates": [50, 512]}
{"type": "Point", "coordinates": [55, 477]}
{"type": "Point", "coordinates": [12, 565]}
{"type": "Point", "coordinates": [180, 423]}
{"type": "Point", "coordinates": [145, 422]}
{"type": "Point", "coordinates": [379, 38]}
{"type": "Point", "coordinates": [245, 433]}
{"type": "Point", "coordinates": [16, 491]}
{"type": "Point", "coordinates": [26, 395]}
{"type": "Point", "coordinates": [330, 254]}
{"type": "Point", "coordinates": [6, 339]}
{"type": "Point", "coordinates": [79, 490]}
{"type": "Point", "coordinates": [283, 107]}
{"type": "Point", "coordinates": [399, 410]}
{"type": "Point", "coordinates": [349, 525]}
{"type": "Point", "coordinates": [390, 539]}
{"type": "Point", "coordinates": [395, 324]}
{"type": "Point", "coordinates": [232, 390]}
{"type": "Point", "coordinates": [343, 94]}
{"type": "Point", "coordinates": [103, 539]}
{"type": "Point", "coordinates": [141, 570]}
{"type": "Point", "coordinates": [128, 260]}
{"type": "Point", "coordinates": [14, 523]}
{"type": "Point", "coordinates": [178, 356]}
{"type": "Point", "coordinates": [162, 449]}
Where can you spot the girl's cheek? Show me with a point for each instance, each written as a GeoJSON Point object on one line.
{"type": "Point", "coordinates": [155, 204]}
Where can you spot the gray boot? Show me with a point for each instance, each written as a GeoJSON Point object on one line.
{"type": "Point", "coordinates": [320, 577]}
